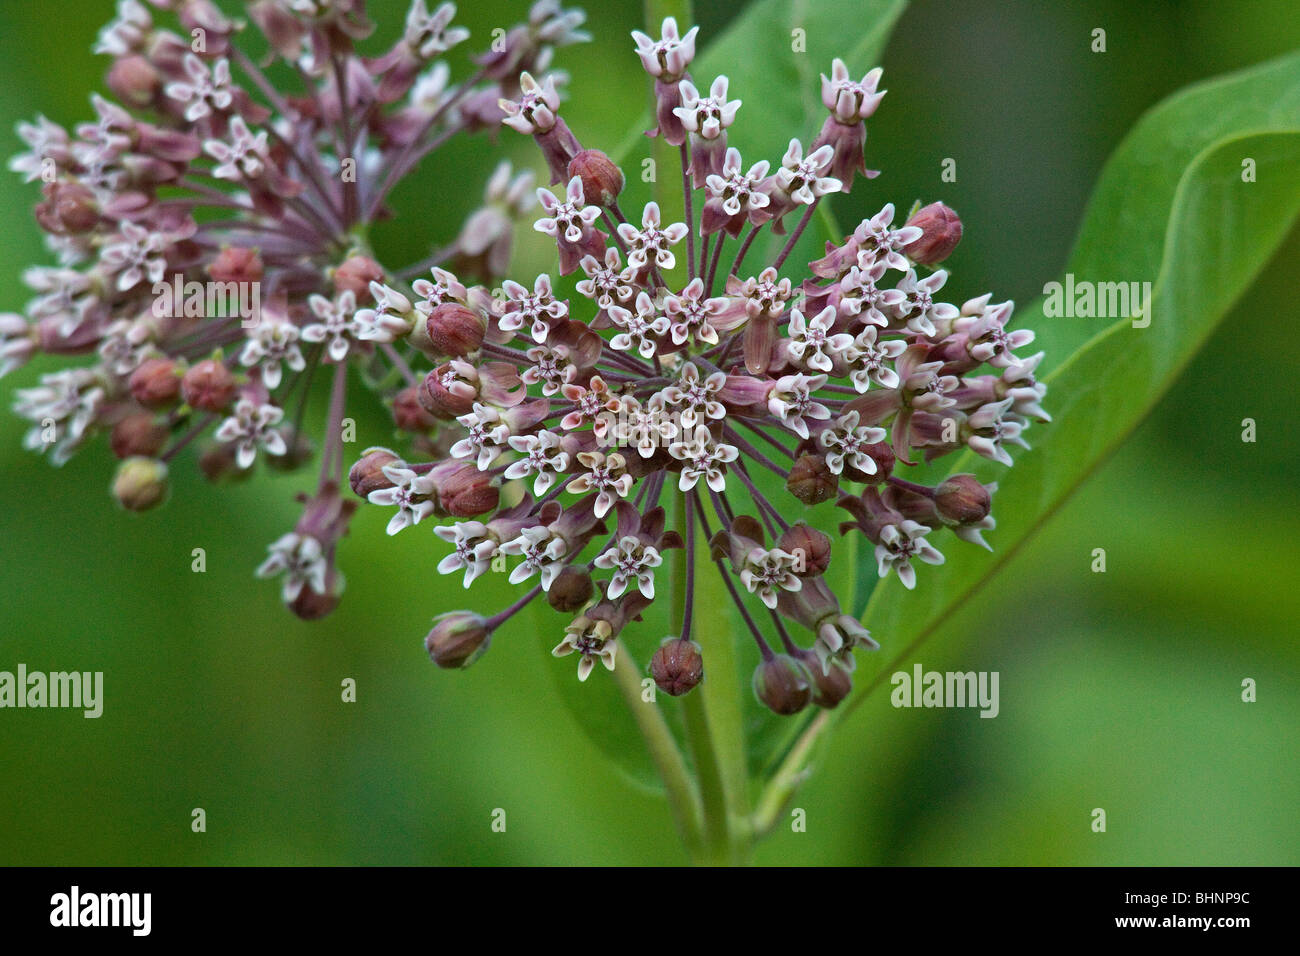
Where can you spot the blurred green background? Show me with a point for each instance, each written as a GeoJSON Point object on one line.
{"type": "Point", "coordinates": [1118, 690]}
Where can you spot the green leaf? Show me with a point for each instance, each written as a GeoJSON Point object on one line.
{"type": "Point", "coordinates": [1171, 207]}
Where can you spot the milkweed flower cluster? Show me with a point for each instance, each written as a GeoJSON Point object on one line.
{"type": "Point", "coordinates": [660, 411]}
{"type": "Point", "coordinates": [209, 229]}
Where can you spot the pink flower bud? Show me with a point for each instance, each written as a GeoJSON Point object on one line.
{"type": "Point", "coordinates": [455, 330]}
{"type": "Point", "coordinates": [134, 79]}
{"type": "Point", "coordinates": [409, 415]}
{"type": "Point", "coordinates": [602, 181]}
{"type": "Point", "coordinates": [209, 386]}
{"type": "Point", "coordinates": [356, 274]}
{"type": "Point", "coordinates": [963, 500]}
{"type": "Point", "coordinates": [940, 233]}
{"type": "Point", "coordinates": [367, 474]}
{"type": "Point", "coordinates": [155, 383]}
{"type": "Point", "coordinates": [458, 639]}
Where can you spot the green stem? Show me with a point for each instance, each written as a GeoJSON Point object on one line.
{"type": "Point", "coordinates": [683, 801]}
{"type": "Point", "coordinates": [789, 776]}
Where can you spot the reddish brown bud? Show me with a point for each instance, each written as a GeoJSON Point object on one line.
{"type": "Point", "coordinates": [134, 80]}
{"type": "Point", "coordinates": [882, 453]}
{"type": "Point", "coordinates": [209, 386]}
{"type": "Point", "coordinates": [811, 480]}
{"type": "Point", "coordinates": [963, 500]}
{"type": "Point", "coordinates": [140, 483]}
{"type": "Point", "coordinates": [829, 687]}
{"type": "Point", "coordinates": [68, 208]}
{"type": "Point", "coordinates": [783, 684]}
{"type": "Point", "coordinates": [455, 330]}
{"type": "Point", "coordinates": [464, 491]}
{"type": "Point", "coordinates": [236, 264]}
{"type": "Point", "coordinates": [155, 383]}
{"type": "Point", "coordinates": [409, 414]}
{"type": "Point", "coordinates": [311, 605]}
{"type": "Point", "coordinates": [138, 435]}
{"type": "Point", "coordinates": [811, 548]}
{"type": "Point", "coordinates": [940, 233]}
{"type": "Point", "coordinates": [602, 180]}
{"type": "Point", "coordinates": [444, 401]}
{"type": "Point", "coordinates": [571, 589]}
{"type": "Point", "coordinates": [458, 639]}
{"type": "Point", "coordinates": [367, 474]}
{"type": "Point", "coordinates": [677, 667]}
{"type": "Point", "coordinates": [355, 275]}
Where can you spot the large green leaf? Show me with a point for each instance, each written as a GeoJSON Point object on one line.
{"type": "Point", "coordinates": [1175, 206]}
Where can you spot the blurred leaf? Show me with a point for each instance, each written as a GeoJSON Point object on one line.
{"type": "Point", "coordinates": [1171, 207]}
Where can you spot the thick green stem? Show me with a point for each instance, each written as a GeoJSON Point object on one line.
{"type": "Point", "coordinates": [683, 801]}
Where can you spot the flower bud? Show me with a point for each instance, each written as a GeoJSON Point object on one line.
{"type": "Point", "coordinates": [236, 264]}
{"type": "Point", "coordinates": [311, 605]}
{"type": "Point", "coordinates": [571, 589]}
{"type": "Point", "coordinates": [783, 684]}
{"type": "Point", "coordinates": [140, 483]}
{"type": "Point", "coordinates": [355, 275]}
{"type": "Point", "coordinates": [464, 491]}
{"type": "Point", "coordinates": [138, 435]}
{"type": "Point", "coordinates": [458, 639]}
{"type": "Point", "coordinates": [811, 480]}
{"type": "Point", "coordinates": [154, 383]}
{"type": "Point", "coordinates": [409, 415]}
{"type": "Point", "coordinates": [133, 79]}
{"type": "Point", "coordinates": [882, 453]}
{"type": "Point", "coordinates": [677, 666]}
{"type": "Point", "coordinates": [444, 395]}
{"type": "Point", "coordinates": [602, 181]}
{"type": "Point", "coordinates": [810, 547]}
{"type": "Point", "coordinates": [963, 500]}
{"type": "Point", "coordinates": [68, 208]}
{"type": "Point", "coordinates": [209, 386]}
{"type": "Point", "coordinates": [940, 233]}
{"type": "Point", "coordinates": [829, 686]}
{"type": "Point", "coordinates": [367, 474]}
{"type": "Point", "coordinates": [455, 330]}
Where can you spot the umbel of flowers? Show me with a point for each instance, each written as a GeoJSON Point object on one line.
{"type": "Point", "coordinates": [208, 227]}
{"type": "Point", "coordinates": [581, 441]}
